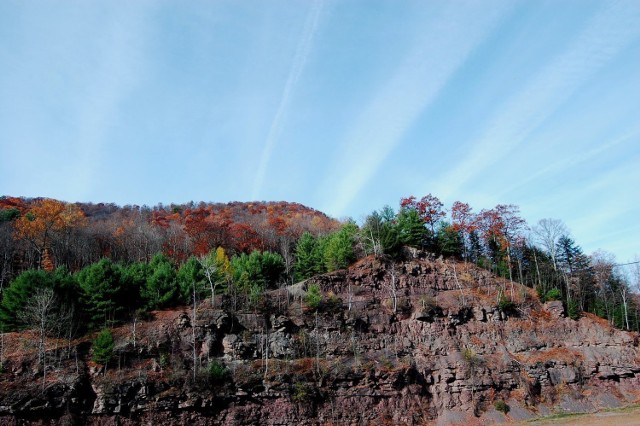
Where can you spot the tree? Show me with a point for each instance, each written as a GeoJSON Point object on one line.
{"type": "Point", "coordinates": [463, 221]}
{"type": "Point", "coordinates": [133, 280]}
{"type": "Point", "coordinates": [216, 268]}
{"type": "Point", "coordinates": [161, 289]}
{"type": "Point", "coordinates": [571, 260]}
{"type": "Point", "coordinates": [189, 275]}
{"type": "Point", "coordinates": [512, 224]}
{"type": "Point", "coordinates": [380, 233]}
{"type": "Point", "coordinates": [45, 220]}
{"type": "Point", "coordinates": [411, 229]}
{"type": "Point", "coordinates": [44, 312]}
{"type": "Point", "coordinates": [429, 207]}
{"type": "Point", "coordinates": [16, 296]}
{"type": "Point", "coordinates": [338, 249]}
{"type": "Point", "coordinates": [308, 257]}
{"type": "Point", "coordinates": [449, 241]}
{"type": "Point", "coordinates": [102, 292]}
{"type": "Point", "coordinates": [257, 270]}
{"type": "Point", "coordinates": [103, 347]}
{"type": "Point", "coordinates": [547, 233]}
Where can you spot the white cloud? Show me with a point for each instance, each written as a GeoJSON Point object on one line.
{"type": "Point", "coordinates": [297, 67]}
{"type": "Point", "coordinates": [443, 45]}
{"type": "Point", "coordinates": [604, 36]}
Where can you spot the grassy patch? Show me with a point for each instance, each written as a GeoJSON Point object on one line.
{"type": "Point", "coordinates": [546, 420]}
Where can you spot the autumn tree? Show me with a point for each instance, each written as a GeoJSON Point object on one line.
{"type": "Point", "coordinates": [47, 220]}
{"type": "Point", "coordinates": [216, 268]}
{"type": "Point", "coordinates": [512, 224]}
{"type": "Point", "coordinates": [429, 207]}
{"type": "Point", "coordinates": [463, 221]}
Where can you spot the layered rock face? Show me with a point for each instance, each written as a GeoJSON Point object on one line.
{"type": "Point", "coordinates": [420, 341]}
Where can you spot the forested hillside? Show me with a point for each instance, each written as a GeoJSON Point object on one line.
{"type": "Point", "coordinates": [104, 262]}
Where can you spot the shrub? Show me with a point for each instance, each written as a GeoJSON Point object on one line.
{"type": "Point", "coordinates": [217, 371]}
{"type": "Point", "coordinates": [164, 360]}
{"type": "Point", "coordinates": [469, 355]}
{"type": "Point", "coordinates": [313, 299]}
{"type": "Point", "coordinates": [302, 392]}
{"type": "Point", "coordinates": [506, 305]}
{"type": "Point", "coordinates": [573, 310]}
{"type": "Point", "coordinates": [103, 347]}
{"type": "Point", "coordinates": [553, 294]}
{"type": "Point", "coordinates": [502, 406]}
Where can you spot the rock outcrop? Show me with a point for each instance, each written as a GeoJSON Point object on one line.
{"type": "Point", "coordinates": [414, 342]}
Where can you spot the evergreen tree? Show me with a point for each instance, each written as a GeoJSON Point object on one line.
{"type": "Point", "coordinates": [262, 269]}
{"type": "Point", "coordinates": [103, 347]}
{"type": "Point", "coordinates": [102, 292]}
{"type": "Point", "coordinates": [161, 289]}
{"type": "Point", "coordinates": [411, 229]}
{"type": "Point", "coordinates": [380, 234]}
{"type": "Point", "coordinates": [134, 279]}
{"type": "Point", "coordinates": [190, 274]}
{"type": "Point", "coordinates": [449, 241]}
{"type": "Point", "coordinates": [15, 297]}
{"type": "Point", "coordinates": [338, 251]}
{"type": "Point", "coordinates": [308, 257]}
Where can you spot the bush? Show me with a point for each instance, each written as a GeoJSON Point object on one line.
{"type": "Point", "coordinates": [502, 406]}
{"type": "Point", "coordinates": [469, 355]}
{"type": "Point", "coordinates": [103, 347]}
{"type": "Point", "coordinates": [573, 310]}
{"type": "Point", "coordinates": [506, 305]}
{"type": "Point", "coordinates": [217, 371]}
{"type": "Point", "coordinates": [302, 392]}
{"type": "Point", "coordinates": [313, 299]}
{"type": "Point", "coordinates": [553, 294]}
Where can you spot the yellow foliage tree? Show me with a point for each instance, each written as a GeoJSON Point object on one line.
{"type": "Point", "coordinates": [46, 220]}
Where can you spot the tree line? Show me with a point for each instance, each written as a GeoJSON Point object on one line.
{"type": "Point", "coordinates": [102, 266]}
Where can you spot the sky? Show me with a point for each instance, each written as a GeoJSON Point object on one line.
{"type": "Point", "coordinates": [341, 105]}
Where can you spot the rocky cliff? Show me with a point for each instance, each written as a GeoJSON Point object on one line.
{"type": "Point", "coordinates": [417, 341]}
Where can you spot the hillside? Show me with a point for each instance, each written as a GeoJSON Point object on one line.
{"type": "Point", "coordinates": [418, 340]}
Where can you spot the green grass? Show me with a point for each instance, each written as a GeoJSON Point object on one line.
{"type": "Point", "coordinates": [568, 416]}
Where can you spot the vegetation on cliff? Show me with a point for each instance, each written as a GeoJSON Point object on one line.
{"type": "Point", "coordinates": [230, 271]}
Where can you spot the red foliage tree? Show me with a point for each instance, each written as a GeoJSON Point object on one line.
{"type": "Point", "coordinates": [428, 207]}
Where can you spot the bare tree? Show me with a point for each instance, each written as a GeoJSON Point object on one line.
{"type": "Point", "coordinates": [44, 312]}
{"type": "Point", "coordinates": [602, 265]}
{"type": "Point", "coordinates": [547, 233]}
{"type": "Point", "coordinates": [211, 270]}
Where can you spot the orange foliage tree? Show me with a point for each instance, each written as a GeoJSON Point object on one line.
{"type": "Point", "coordinates": [45, 221]}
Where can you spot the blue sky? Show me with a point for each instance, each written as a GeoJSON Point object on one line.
{"type": "Point", "coordinates": [344, 106]}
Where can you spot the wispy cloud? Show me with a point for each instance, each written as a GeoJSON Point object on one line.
{"type": "Point", "coordinates": [443, 45]}
{"type": "Point", "coordinates": [297, 67]}
{"type": "Point", "coordinates": [610, 31]}
{"type": "Point", "coordinates": [564, 164]}
{"type": "Point", "coordinates": [117, 70]}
